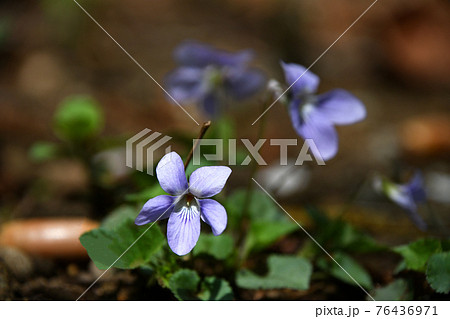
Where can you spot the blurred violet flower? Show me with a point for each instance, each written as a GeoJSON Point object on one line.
{"type": "Point", "coordinates": [314, 116]}
{"type": "Point", "coordinates": [209, 77]}
{"type": "Point", "coordinates": [188, 204]}
{"type": "Point", "coordinates": [406, 196]}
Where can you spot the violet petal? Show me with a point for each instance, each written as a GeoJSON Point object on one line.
{"type": "Point", "coordinates": [171, 175]}
{"type": "Point", "coordinates": [157, 208]}
{"type": "Point", "coordinates": [214, 214]}
{"type": "Point", "coordinates": [183, 230]}
{"type": "Point", "coordinates": [208, 181]}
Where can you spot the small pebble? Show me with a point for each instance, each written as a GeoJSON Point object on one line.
{"type": "Point", "coordinates": [48, 237]}
{"type": "Point", "coordinates": [19, 264]}
{"type": "Point", "coordinates": [426, 136]}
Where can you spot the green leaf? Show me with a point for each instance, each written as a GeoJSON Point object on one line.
{"type": "Point", "coordinates": [220, 247]}
{"type": "Point", "coordinates": [261, 208]}
{"type": "Point", "coordinates": [262, 234]}
{"type": "Point", "coordinates": [119, 216]}
{"type": "Point", "coordinates": [398, 290]}
{"type": "Point", "coordinates": [267, 222]}
{"type": "Point", "coordinates": [217, 289]}
{"type": "Point", "coordinates": [43, 151]}
{"type": "Point", "coordinates": [78, 118]}
{"type": "Point", "coordinates": [350, 238]}
{"type": "Point", "coordinates": [105, 244]}
{"type": "Point", "coordinates": [416, 254]}
{"type": "Point", "coordinates": [284, 272]}
{"type": "Point", "coordinates": [340, 235]}
{"type": "Point", "coordinates": [363, 243]}
{"type": "Point", "coordinates": [351, 266]}
{"type": "Point", "coordinates": [184, 284]}
{"type": "Point", "coordinates": [400, 267]}
{"type": "Point", "coordinates": [438, 272]}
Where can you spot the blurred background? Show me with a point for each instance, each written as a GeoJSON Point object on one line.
{"type": "Point", "coordinates": [395, 59]}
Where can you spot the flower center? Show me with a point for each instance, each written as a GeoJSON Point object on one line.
{"type": "Point", "coordinates": [190, 199]}
{"type": "Point", "coordinates": [307, 105]}
{"type": "Point", "coordinates": [307, 109]}
{"type": "Point", "coordinates": [214, 76]}
{"type": "Point", "coordinates": [186, 202]}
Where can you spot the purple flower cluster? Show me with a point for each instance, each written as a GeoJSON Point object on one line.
{"type": "Point", "coordinates": [188, 204]}
{"type": "Point", "coordinates": [314, 116]}
{"type": "Point", "coordinates": [209, 77]}
{"type": "Point", "coordinates": [406, 196]}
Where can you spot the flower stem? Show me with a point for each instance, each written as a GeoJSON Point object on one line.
{"type": "Point", "coordinates": [436, 221]}
{"type": "Point", "coordinates": [202, 133]}
{"type": "Point", "coordinates": [354, 196]}
{"type": "Point", "coordinates": [245, 218]}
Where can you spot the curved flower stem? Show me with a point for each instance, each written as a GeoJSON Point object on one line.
{"type": "Point", "coordinates": [354, 196]}
{"type": "Point", "coordinates": [436, 221]}
{"type": "Point", "coordinates": [245, 221]}
{"type": "Point", "coordinates": [202, 133]}
{"type": "Point", "coordinates": [254, 170]}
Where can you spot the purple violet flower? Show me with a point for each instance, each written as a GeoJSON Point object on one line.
{"type": "Point", "coordinates": [314, 116]}
{"type": "Point", "coordinates": [209, 77]}
{"type": "Point", "coordinates": [188, 204]}
{"type": "Point", "coordinates": [406, 196]}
